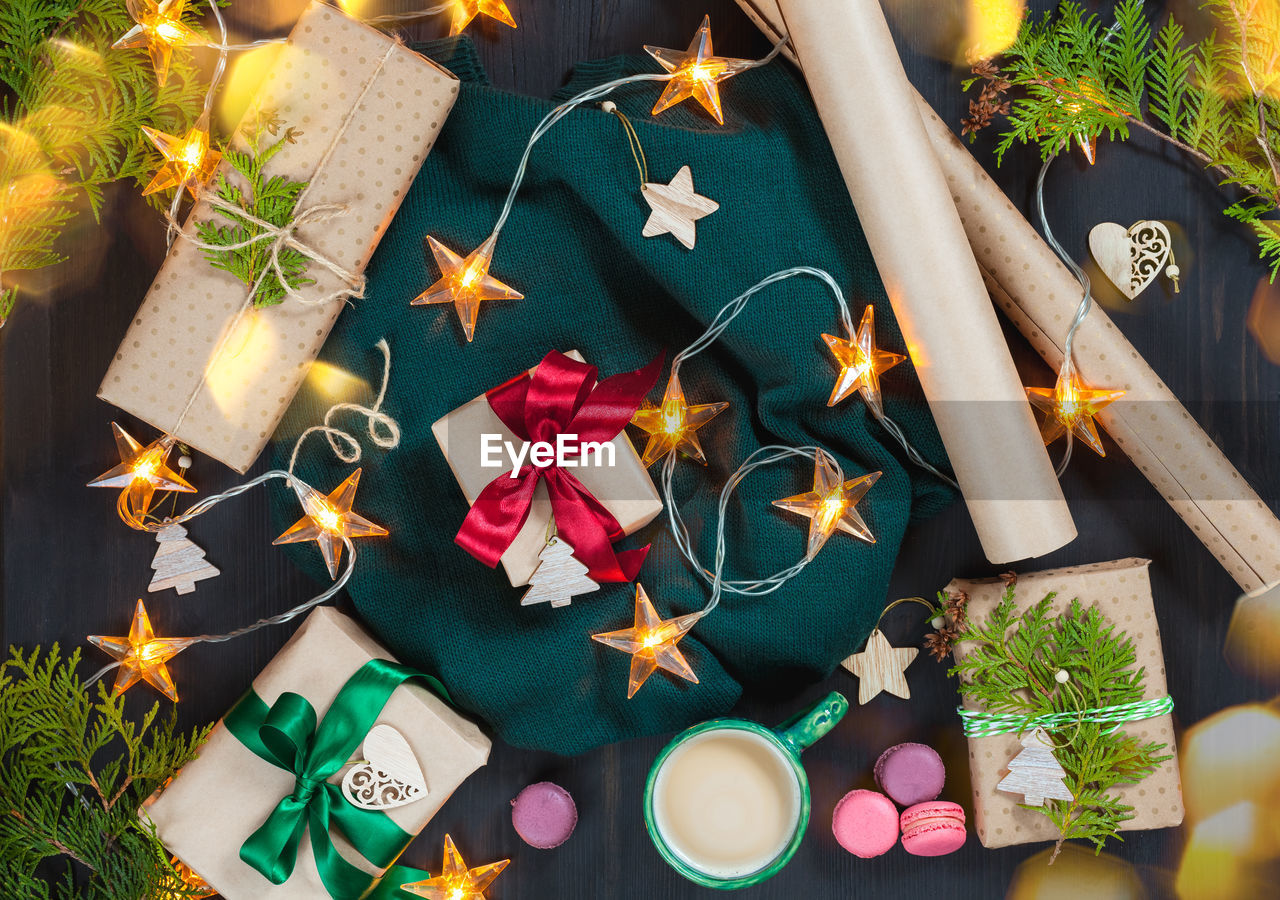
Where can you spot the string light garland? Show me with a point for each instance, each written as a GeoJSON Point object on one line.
{"type": "Point", "coordinates": [466, 297]}
{"type": "Point", "coordinates": [696, 73]}
{"type": "Point", "coordinates": [159, 28]}
{"type": "Point", "coordinates": [861, 363]}
{"type": "Point", "coordinates": [141, 472]}
{"type": "Point", "coordinates": [466, 10]}
{"type": "Point", "coordinates": [830, 506]}
{"type": "Point", "coordinates": [189, 160]}
{"type": "Point", "coordinates": [456, 881]}
{"type": "Point", "coordinates": [328, 520]}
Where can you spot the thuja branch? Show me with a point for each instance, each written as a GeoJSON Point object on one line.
{"type": "Point", "coordinates": [1068, 78]}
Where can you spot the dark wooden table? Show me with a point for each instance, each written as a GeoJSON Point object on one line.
{"type": "Point", "coordinates": [71, 569]}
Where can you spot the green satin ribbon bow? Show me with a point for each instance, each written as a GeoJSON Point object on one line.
{"type": "Point", "coordinates": [288, 735]}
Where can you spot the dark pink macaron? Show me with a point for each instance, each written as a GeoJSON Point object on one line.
{"type": "Point", "coordinates": [933, 829]}
{"type": "Point", "coordinates": [910, 773]}
{"type": "Point", "coordinates": [544, 815]}
{"type": "Point", "coordinates": [865, 823]}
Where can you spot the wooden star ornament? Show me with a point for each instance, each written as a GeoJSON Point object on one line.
{"type": "Point", "coordinates": [142, 471]}
{"type": "Point", "coordinates": [466, 10]}
{"type": "Point", "coordinates": [1070, 406]}
{"type": "Point", "coordinates": [142, 655]}
{"type": "Point", "coordinates": [676, 207]}
{"type": "Point", "coordinates": [696, 72]}
{"type": "Point", "coordinates": [329, 521]}
{"type": "Point", "coordinates": [456, 881]}
{"type": "Point", "coordinates": [830, 506]}
{"type": "Point", "coordinates": [673, 425]}
{"type": "Point", "coordinates": [881, 667]}
{"type": "Point", "coordinates": [861, 364]}
{"type": "Point", "coordinates": [466, 283]}
{"type": "Point", "coordinates": [158, 27]}
{"type": "Point", "coordinates": [651, 641]}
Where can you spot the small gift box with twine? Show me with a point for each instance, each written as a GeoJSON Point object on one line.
{"type": "Point", "coordinates": [199, 361]}
{"type": "Point", "coordinates": [263, 812]}
{"type": "Point", "coordinates": [1121, 592]}
{"type": "Point", "coordinates": [594, 501]}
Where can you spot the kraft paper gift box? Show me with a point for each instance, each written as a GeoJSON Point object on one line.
{"type": "Point", "coordinates": [624, 488]}
{"type": "Point", "coordinates": [223, 796]}
{"type": "Point", "coordinates": [1121, 590]}
{"type": "Point", "coordinates": [199, 362]}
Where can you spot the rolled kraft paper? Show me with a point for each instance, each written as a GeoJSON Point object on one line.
{"type": "Point", "coordinates": [941, 303]}
{"type": "Point", "coordinates": [1039, 295]}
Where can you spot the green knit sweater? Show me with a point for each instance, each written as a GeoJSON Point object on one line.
{"type": "Point", "coordinates": [573, 246]}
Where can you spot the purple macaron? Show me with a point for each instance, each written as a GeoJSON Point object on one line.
{"type": "Point", "coordinates": [910, 773]}
{"type": "Point", "coordinates": [544, 815]}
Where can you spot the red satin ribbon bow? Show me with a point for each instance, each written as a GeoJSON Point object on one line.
{"type": "Point", "coordinates": [561, 397]}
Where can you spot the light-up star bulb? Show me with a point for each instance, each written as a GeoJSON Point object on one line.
{"type": "Point", "coordinates": [142, 471]}
{"type": "Point", "coordinates": [861, 363]}
{"type": "Point", "coordinates": [673, 424]}
{"type": "Point", "coordinates": [696, 72]}
{"type": "Point", "coordinates": [466, 10]}
{"type": "Point", "coordinates": [142, 655]}
{"type": "Point", "coordinates": [189, 160]}
{"type": "Point", "coordinates": [465, 283]}
{"type": "Point", "coordinates": [328, 520]}
{"type": "Point", "coordinates": [456, 882]}
{"type": "Point", "coordinates": [159, 28]}
{"type": "Point", "coordinates": [1069, 405]}
{"type": "Point", "coordinates": [651, 641]}
{"type": "Point", "coordinates": [831, 504]}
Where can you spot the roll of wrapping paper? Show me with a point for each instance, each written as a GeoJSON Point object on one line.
{"type": "Point", "coordinates": [930, 275]}
{"type": "Point", "coordinates": [1039, 295]}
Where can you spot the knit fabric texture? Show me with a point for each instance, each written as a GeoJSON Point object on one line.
{"type": "Point", "coordinates": [573, 246]}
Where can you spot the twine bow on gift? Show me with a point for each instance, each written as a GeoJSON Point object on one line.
{"type": "Point", "coordinates": [288, 735]}
{"type": "Point", "coordinates": [561, 399]}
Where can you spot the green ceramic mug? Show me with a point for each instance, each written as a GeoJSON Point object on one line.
{"type": "Point", "coordinates": [727, 801]}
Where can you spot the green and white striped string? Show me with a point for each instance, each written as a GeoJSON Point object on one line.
{"type": "Point", "coordinates": [978, 723]}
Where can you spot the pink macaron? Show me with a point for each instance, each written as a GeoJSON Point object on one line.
{"type": "Point", "coordinates": [933, 829]}
{"type": "Point", "coordinates": [865, 823]}
{"type": "Point", "coordinates": [544, 815]}
{"type": "Point", "coordinates": [910, 773]}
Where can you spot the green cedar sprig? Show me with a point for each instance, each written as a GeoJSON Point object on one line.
{"type": "Point", "coordinates": [71, 111]}
{"type": "Point", "coordinates": [74, 769]}
{"type": "Point", "coordinates": [1009, 666]}
{"type": "Point", "coordinates": [271, 199]}
{"type": "Point", "coordinates": [1068, 77]}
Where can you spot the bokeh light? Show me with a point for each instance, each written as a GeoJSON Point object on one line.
{"type": "Point", "coordinates": [1076, 873]}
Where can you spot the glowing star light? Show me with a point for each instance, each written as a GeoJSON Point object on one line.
{"type": "Point", "coordinates": [1070, 406]}
{"type": "Point", "coordinates": [465, 283]}
{"type": "Point", "coordinates": [456, 882]}
{"type": "Point", "coordinates": [651, 643]}
{"type": "Point", "coordinates": [831, 504]}
{"type": "Point", "coordinates": [466, 10]}
{"type": "Point", "coordinates": [673, 425]}
{"type": "Point", "coordinates": [142, 655]}
{"type": "Point", "coordinates": [861, 363]}
{"type": "Point", "coordinates": [329, 521]}
{"type": "Point", "coordinates": [189, 161]}
{"type": "Point", "coordinates": [142, 471]}
{"type": "Point", "coordinates": [159, 28]}
{"type": "Point", "coordinates": [696, 73]}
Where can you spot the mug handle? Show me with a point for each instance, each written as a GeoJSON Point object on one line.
{"type": "Point", "coordinates": [805, 728]}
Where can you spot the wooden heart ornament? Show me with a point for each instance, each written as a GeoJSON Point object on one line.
{"type": "Point", "coordinates": [389, 776]}
{"type": "Point", "coordinates": [1133, 257]}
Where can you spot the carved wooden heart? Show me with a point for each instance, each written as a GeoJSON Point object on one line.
{"type": "Point", "coordinates": [390, 775]}
{"type": "Point", "coordinates": [1131, 257]}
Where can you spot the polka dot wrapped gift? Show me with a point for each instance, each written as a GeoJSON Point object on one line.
{"type": "Point", "coordinates": [199, 362]}
{"type": "Point", "coordinates": [1121, 590]}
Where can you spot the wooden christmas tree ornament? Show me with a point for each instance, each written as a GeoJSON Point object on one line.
{"type": "Point", "coordinates": [1035, 772]}
{"type": "Point", "coordinates": [881, 667]}
{"type": "Point", "coordinates": [676, 207]}
{"type": "Point", "coordinates": [559, 576]}
{"type": "Point", "coordinates": [1133, 257]}
{"type": "Point", "coordinates": [179, 562]}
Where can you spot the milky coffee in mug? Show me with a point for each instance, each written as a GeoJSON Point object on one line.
{"type": "Point", "coordinates": [727, 801]}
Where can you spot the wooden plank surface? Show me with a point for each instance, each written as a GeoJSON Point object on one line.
{"type": "Point", "coordinates": [70, 568]}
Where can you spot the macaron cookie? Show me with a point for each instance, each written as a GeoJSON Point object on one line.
{"type": "Point", "coordinates": [933, 829]}
{"type": "Point", "coordinates": [910, 773]}
{"type": "Point", "coordinates": [544, 815]}
{"type": "Point", "coordinates": [865, 823]}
